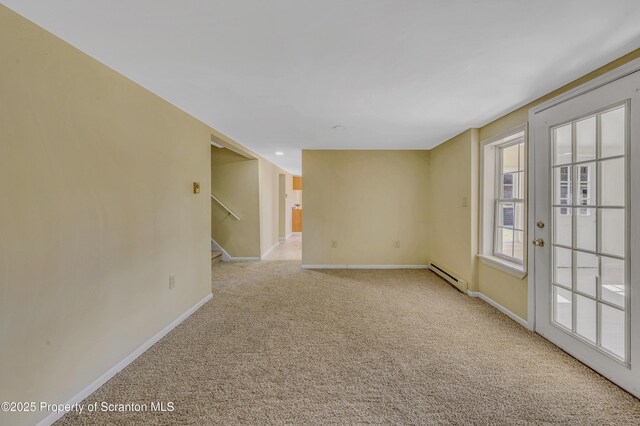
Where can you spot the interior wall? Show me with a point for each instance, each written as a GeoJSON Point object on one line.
{"type": "Point", "coordinates": [97, 211]}
{"type": "Point", "coordinates": [290, 201]}
{"type": "Point", "coordinates": [365, 201]}
{"type": "Point", "coordinates": [234, 181]}
{"type": "Point", "coordinates": [269, 205]}
{"type": "Point", "coordinates": [454, 206]}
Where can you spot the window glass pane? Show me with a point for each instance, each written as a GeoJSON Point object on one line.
{"type": "Point", "coordinates": [613, 287]}
{"type": "Point", "coordinates": [510, 157]}
{"type": "Point", "coordinates": [586, 318]}
{"type": "Point", "coordinates": [586, 139]}
{"type": "Point", "coordinates": [562, 144]}
{"type": "Point", "coordinates": [562, 307]}
{"type": "Point", "coordinates": [586, 229]}
{"type": "Point", "coordinates": [562, 263]}
{"type": "Point", "coordinates": [612, 329]}
{"type": "Point", "coordinates": [586, 273]}
{"type": "Point", "coordinates": [613, 132]}
{"type": "Point", "coordinates": [504, 244]}
{"type": "Point", "coordinates": [519, 216]}
{"type": "Point", "coordinates": [506, 214]}
{"type": "Point", "coordinates": [518, 245]}
{"type": "Point", "coordinates": [612, 234]}
{"type": "Point", "coordinates": [507, 185]}
{"type": "Point", "coordinates": [613, 182]}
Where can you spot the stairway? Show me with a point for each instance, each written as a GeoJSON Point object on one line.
{"type": "Point", "coordinates": [216, 256]}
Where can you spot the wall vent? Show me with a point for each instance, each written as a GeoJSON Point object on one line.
{"type": "Point", "coordinates": [452, 279]}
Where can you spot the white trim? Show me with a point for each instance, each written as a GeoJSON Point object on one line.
{"type": "Point", "coordinates": [606, 78]}
{"type": "Point", "coordinates": [499, 307]}
{"type": "Point", "coordinates": [364, 266]}
{"type": "Point", "coordinates": [504, 265]}
{"type": "Point", "coordinates": [295, 233]}
{"type": "Point", "coordinates": [84, 393]}
{"type": "Point", "coordinates": [227, 258]}
{"type": "Point", "coordinates": [266, 253]}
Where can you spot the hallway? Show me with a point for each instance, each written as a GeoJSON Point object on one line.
{"type": "Point", "coordinates": [289, 249]}
{"type": "Point", "coordinates": [282, 345]}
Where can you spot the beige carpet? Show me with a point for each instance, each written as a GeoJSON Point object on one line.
{"type": "Point", "coordinates": [280, 345]}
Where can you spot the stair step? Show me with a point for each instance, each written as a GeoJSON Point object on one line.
{"type": "Point", "coordinates": [216, 256]}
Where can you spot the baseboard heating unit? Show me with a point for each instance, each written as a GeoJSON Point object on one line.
{"type": "Point", "coordinates": [452, 279]}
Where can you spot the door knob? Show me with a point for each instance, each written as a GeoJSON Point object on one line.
{"type": "Point", "coordinates": [538, 242]}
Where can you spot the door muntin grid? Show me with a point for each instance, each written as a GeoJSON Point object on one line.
{"type": "Point", "coordinates": [589, 284]}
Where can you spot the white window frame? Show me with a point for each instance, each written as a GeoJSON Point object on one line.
{"type": "Point", "coordinates": [489, 201]}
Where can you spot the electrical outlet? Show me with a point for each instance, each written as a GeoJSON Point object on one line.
{"type": "Point", "coordinates": [396, 244]}
{"type": "Point", "coordinates": [334, 244]}
{"type": "Point", "coordinates": [172, 281]}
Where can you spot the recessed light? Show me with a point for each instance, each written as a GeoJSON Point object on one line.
{"type": "Point", "coordinates": [279, 153]}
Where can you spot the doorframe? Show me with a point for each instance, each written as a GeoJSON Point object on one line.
{"type": "Point", "coordinates": [595, 83]}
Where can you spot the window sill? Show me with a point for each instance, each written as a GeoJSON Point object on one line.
{"type": "Point", "coordinates": [503, 265]}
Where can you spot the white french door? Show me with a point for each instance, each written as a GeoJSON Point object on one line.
{"type": "Point", "coordinates": [586, 239]}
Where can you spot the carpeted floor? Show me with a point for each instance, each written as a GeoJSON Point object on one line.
{"type": "Point", "coordinates": [281, 345]}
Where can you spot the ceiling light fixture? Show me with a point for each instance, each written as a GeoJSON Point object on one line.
{"type": "Point", "coordinates": [279, 153]}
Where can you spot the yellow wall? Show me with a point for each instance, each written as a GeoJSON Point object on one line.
{"type": "Point", "coordinates": [97, 211]}
{"type": "Point", "coordinates": [454, 206]}
{"type": "Point", "coordinates": [269, 204]}
{"type": "Point", "coordinates": [365, 200]}
{"type": "Point", "coordinates": [234, 181]}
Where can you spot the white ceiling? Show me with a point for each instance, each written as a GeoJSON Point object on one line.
{"type": "Point", "coordinates": [278, 75]}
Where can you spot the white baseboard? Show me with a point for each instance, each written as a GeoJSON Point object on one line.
{"type": "Point", "coordinates": [84, 393]}
{"type": "Point", "coordinates": [266, 253]}
{"type": "Point", "coordinates": [499, 307]}
{"type": "Point", "coordinates": [364, 267]}
{"type": "Point", "coordinates": [242, 259]}
{"type": "Point", "coordinates": [288, 236]}
{"type": "Point", "coordinates": [294, 233]}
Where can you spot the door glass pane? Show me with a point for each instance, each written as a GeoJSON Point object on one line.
{"type": "Point", "coordinates": [613, 132]}
{"type": "Point", "coordinates": [586, 273]}
{"type": "Point", "coordinates": [613, 329]}
{"type": "Point", "coordinates": [586, 228]}
{"type": "Point", "coordinates": [586, 318]}
{"type": "Point", "coordinates": [586, 193]}
{"type": "Point", "coordinates": [613, 182]}
{"type": "Point", "coordinates": [562, 185]}
{"type": "Point", "coordinates": [562, 230]}
{"type": "Point", "coordinates": [562, 307]}
{"type": "Point", "coordinates": [613, 283]}
{"type": "Point", "coordinates": [562, 144]}
{"type": "Point", "coordinates": [562, 266]}
{"type": "Point", "coordinates": [586, 139]}
{"type": "Point", "coordinates": [612, 233]}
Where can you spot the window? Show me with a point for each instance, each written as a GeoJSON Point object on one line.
{"type": "Point", "coordinates": [503, 206]}
{"type": "Point", "coordinates": [509, 210]}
